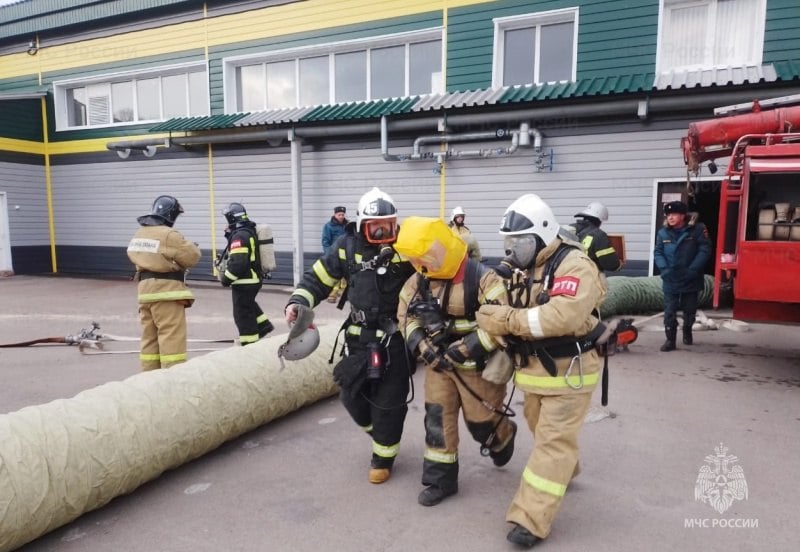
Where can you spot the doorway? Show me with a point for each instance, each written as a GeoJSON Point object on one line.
{"type": "Point", "coordinates": [703, 198]}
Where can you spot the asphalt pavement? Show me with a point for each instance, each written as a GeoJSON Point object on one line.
{"type": "Point", "coordinates": [300, 484]}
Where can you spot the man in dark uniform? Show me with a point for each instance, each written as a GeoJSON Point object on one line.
{"type": "Point", "coordinates": [681, 253]}
{"type": "Point", "coordinates": [375, 398]}
{"type": "Point", "coordinates": [243, 274]}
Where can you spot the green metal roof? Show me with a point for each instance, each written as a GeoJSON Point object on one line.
{"type": "Point", "coordinates": [598, 86]}
{"type": "Point", "coordinates": [209, 122]}
{"type": "Point", "coordinates": [787, 69]}
{"type": "Point", "coordinates": [361, 110]}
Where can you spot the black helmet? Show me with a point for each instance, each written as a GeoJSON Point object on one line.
{"type": "Point", "coordinates": [235, 212]}
{"type": "Point", "coordinates": [165, 210]}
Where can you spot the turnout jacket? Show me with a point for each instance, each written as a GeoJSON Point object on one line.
{"type": "Point", "coordinates": [468, 344]}
{"type": "Point", "coordinates": [577, 290]}
{"type": "Point", "coordinates": [243, 263]}
{"type": "Point", "coordinates": [162, 250]}
{"type": "Point", "coordinates": [596, 244]}
{"type": "Point", "coordinates": [369, 291]}
{"type": "Point", "coordinates": [681, 255]}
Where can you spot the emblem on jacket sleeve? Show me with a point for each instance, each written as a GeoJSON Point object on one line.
{"type": "Point", "coordinates": [565, 285]}
{"type": "Point", "coordinates": [720, 481]}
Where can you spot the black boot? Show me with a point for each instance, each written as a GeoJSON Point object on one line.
{"type": "Point", "coordinates": [501, 457]}
{"type": "Point", "coordinates": [522, 537]}
{"type": "Point", "coordinates": [433, 495]}
{"type": "Point", "coordinates": [687, 336]}
{"type": "Point", "coordinates": [669, 344]}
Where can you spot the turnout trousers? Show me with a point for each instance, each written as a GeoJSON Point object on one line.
{"type": "Point", "coordinates": [445, 394]}
{"type": "Point", "coordinates": [555, 421]}
{"type": "Point", "coordinates": [380, 408]}
{"type": "Point", "coordinates": [163, 341]}
{"type": "Point", "coordinates": [250, 320]}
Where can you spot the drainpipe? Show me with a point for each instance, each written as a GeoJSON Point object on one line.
{"type": "Point", "coordinates": [296, 145]}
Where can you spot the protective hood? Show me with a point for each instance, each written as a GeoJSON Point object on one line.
{"type": "Point", "coordinates": [429, 244]}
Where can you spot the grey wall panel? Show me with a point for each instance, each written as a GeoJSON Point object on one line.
{"type": "Point", "coordinates": [97, 204]}
{"type": "Point", "coordinates": [25, 188]}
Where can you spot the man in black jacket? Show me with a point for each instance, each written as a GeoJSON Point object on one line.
{"type": "Point", "coordinates": [243, 274]}
{"type": "Point", "coordinates": [594, 240]}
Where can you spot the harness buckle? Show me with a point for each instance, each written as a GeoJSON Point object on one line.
{"type": "Point", "coordinates": [358, 316]}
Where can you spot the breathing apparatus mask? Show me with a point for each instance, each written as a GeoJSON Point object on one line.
{"type": "Point", "coordinates": [379, 231]}
{"type": "Point", "coordinates": [521, 251]}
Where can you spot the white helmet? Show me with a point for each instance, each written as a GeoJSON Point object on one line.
{"type": "Point", "coordinates": [595, 210]}
{"type": "Point", "coordinates": [530, 215]}
{"type": "Point", "coordinates": [457, 212]}
{"type": "Point", "coordinates": [378, 206]}
{"type": "Point", "coordinates": [298, 348]}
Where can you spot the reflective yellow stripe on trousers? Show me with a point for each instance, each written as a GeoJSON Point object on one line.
{"type": "Point", "coordinates": [558, 382]}
{"type": "Point", "coordinates": [541, 484]}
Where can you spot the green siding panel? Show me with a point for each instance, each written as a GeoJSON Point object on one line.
{"type": "Point", "coordinates": [21, 119]}
{"type": "Point", "coordinates": [613, 35]}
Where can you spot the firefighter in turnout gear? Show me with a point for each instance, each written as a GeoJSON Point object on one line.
{"type": "Point", "coordinates": [550, 332]}
{"type": "Point", "coordinates": [374, 374]}
{"type": "Point", "coordinates": [437, 317]}
{"type": "Point", "coordinates": [162, 256]}
{"type": "Point", "coordinates": [244, 275]}
{"type": "Point", "coordinates": [457, 216]}
{"type": "Point", "coordinates": [594, 240]}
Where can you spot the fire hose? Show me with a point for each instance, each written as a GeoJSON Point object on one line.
{"type": "Point", "coordinates": [91, 341]}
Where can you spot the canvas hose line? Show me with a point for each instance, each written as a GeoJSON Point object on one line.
{"type": "Point", "coordinates": [62, 459]}
{"type": "Point", "coordinates": [634, 295]}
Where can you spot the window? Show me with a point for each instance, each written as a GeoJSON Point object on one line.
{"type": "Point", "coordinates": [535, 48]}
{"type": "Point", "coordinates": [385, 67]}
{"type": "Point", "coordinates": [132, 98]}
{"type": "Point", "coordinates": [701, 34]}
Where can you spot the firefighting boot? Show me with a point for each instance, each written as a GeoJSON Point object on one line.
{"type": "Point", "coordinates": [501, 457]}
{"type": "Point", "coordinates": [379, 475]}
{"type": "Point", "coordinates": [687, 336]}
{"type": "Point", "coordinates": [522, 537]}
{"type": "Point", "coordinates": [669, 344]}
{"type": "Point", "coordinates": [433, 494]}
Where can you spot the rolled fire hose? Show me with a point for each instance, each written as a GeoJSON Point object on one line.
{"type": "Point", "coordinates": [636, 295]}
{"type": "Point", "coordinates": [62, 459]}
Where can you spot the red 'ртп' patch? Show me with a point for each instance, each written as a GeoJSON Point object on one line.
{"type": "Point", "coordinates": [235, 244]}
{"type": "Point", "coordinates": [565, 285]}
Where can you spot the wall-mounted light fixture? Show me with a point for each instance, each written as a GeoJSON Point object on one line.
{"type": "Point", "coordinates": [33, 49]}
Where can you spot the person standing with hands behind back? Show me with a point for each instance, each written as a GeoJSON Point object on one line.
{"type": "Point", "coordinates": [243, 274]}
{"type": "Point", "coordinates": [681, 253]}
{"type": "Point", "coordinates": [162, 256]}
{"type": "Point", "coordinates": [330, 233]}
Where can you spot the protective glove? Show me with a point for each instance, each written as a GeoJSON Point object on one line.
{"type": "Point", "coordinates": [431, 356]}
{"type": "Point", "coordinates": [303, 319]}
{"type": "Point", "coordinates": [503, 320]}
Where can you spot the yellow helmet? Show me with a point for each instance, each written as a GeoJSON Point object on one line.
{"type": "Point", "coordinates": [431, 247]}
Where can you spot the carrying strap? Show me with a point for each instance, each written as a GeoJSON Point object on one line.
{"type": "Point", "coordinates": [472, 277]}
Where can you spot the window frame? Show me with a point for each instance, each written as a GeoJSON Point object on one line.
{"type": "Point", "coordinates": [525, 21]}
{"type": "Point", "coordinates": [758, 35]}
{"type": "Point", "coordinates": [330, 49]}
{"type": "Point", "coordinates": [61, 87]}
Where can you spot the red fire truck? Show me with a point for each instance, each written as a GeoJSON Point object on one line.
{"type": "Point", "coordinates": [758, 237]}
